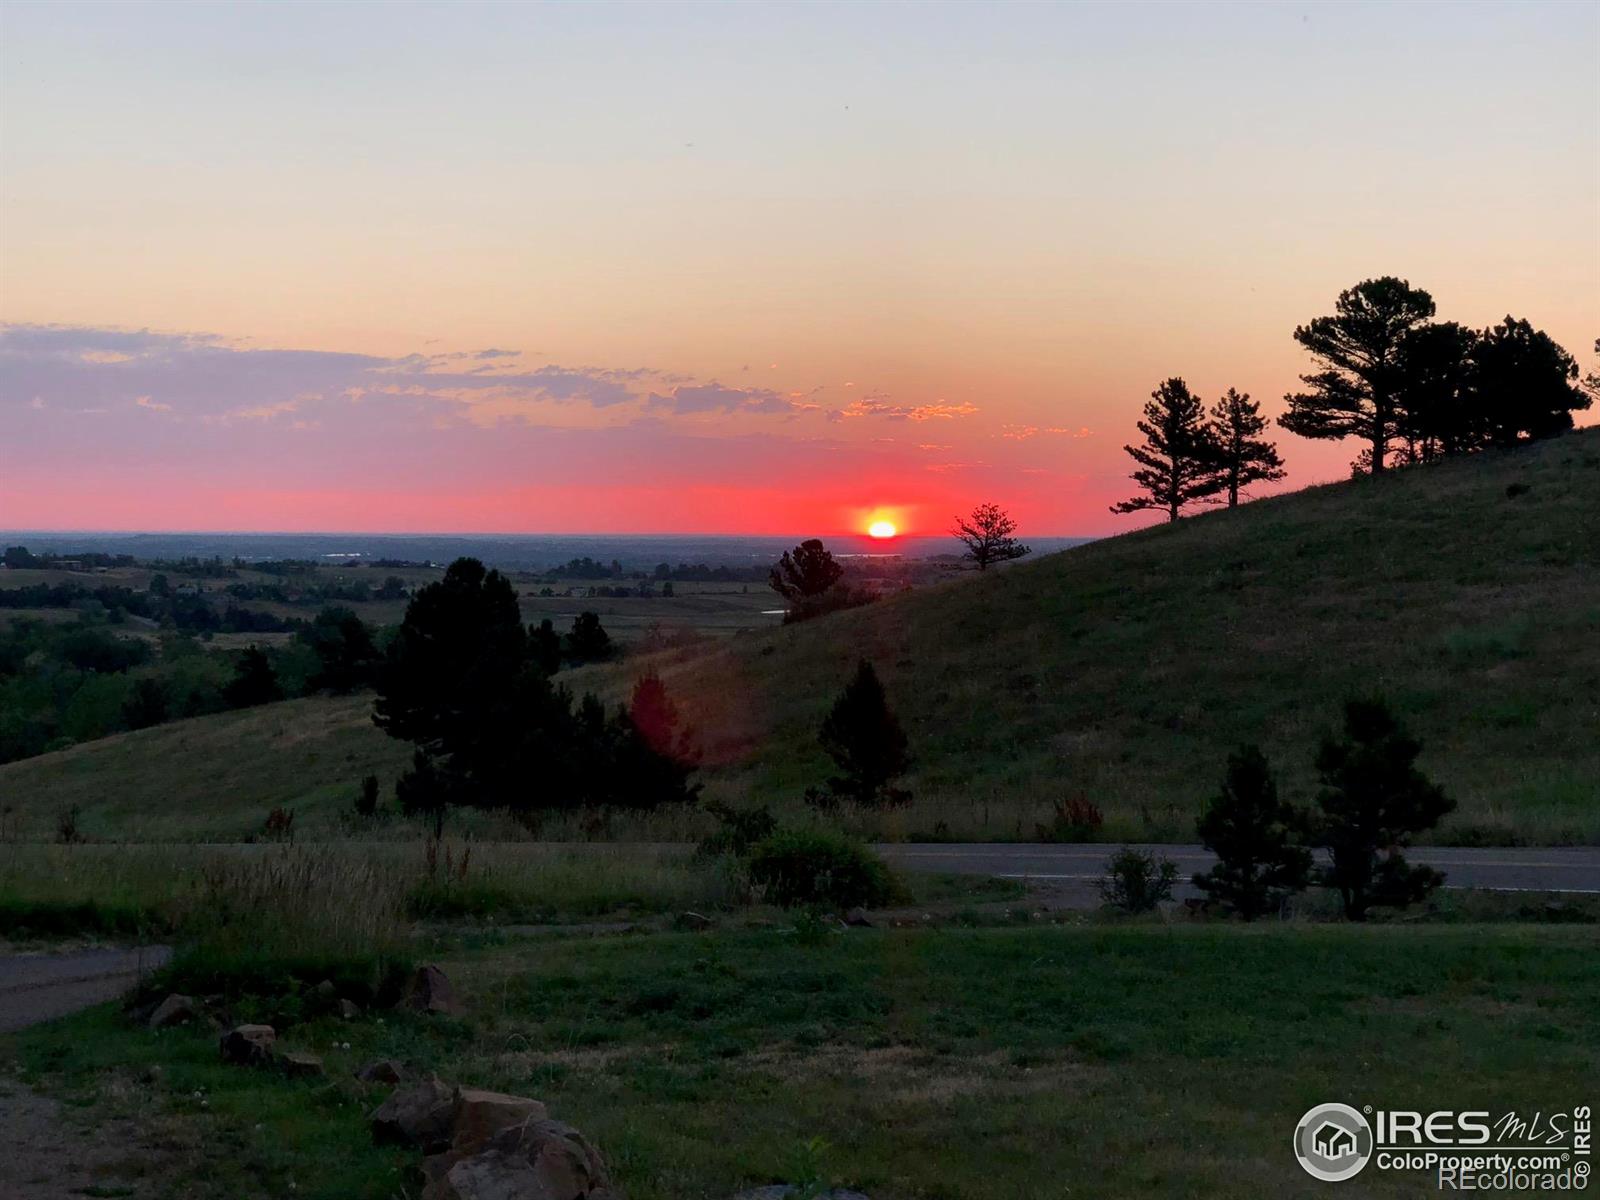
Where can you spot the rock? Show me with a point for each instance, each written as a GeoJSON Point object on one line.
{"type": "Point", "coordinates": [325, 990]}
{"type": "Point", "coordinates": [479, 1115]}
{"type": "Point", "coordinates": [297, 1064]}
{"type": "Point", "coordinates": [857, 917]}
{"type": "Point", "coordinates": [383, 1070]}
{"type": "Point", "coordinates": [248, 1045]}
{"type": "Point", "coordinates": [429, 991]}
{"type": "Point", "coordinates": [153, 1075]}
{"type": "Point", "coordinates": [174, 1010]}
{"type": "Point", "coordinates": [536, 1160]}
{"type": "Point", "coordinates": [349, 1010]}
{"type": "Point", "coordinates": [418, 1115]}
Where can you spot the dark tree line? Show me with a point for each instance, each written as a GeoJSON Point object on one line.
{"type": "Point", "coordinates": [1417, 390]}
{"type": "Point", "coordinates": [469, 685]}
{"type": "Point", "coordinates": [1408, 388]}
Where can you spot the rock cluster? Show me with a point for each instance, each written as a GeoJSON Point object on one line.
{"type": "Point", "coordinates": [482, 1145]}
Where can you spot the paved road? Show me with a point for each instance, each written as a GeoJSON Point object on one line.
{"type": "Point", "coordinates": [37, 987]}
{"type": "Point", "coordinates": [1569, 869]}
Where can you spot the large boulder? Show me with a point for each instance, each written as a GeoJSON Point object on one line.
{"type": "Point", "coordinates": [539, 1159]}
{"type": "Point", "coordinates": [479, 1115]}
{"type": "Point", "coordinates": [429, 991]}
{"type": "Point", "coordinates": [248, 1045]}
{"type": "Point", "coordinates": [417, 1115]}
{"type": "Point", "coordinates": [174, 1010]}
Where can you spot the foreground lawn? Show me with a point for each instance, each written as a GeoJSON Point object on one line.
{"type": "Point", "coordinates": [967, 1064]}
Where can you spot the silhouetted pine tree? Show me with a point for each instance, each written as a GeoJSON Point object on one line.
{"type": "Point", "coordinates": [1359, 347]}
{"type": "Point", "coordinates": [1177, 462]}
{"type": "Point", "coordinates": [1256, 838]}
{"type": "Point", "coordinates": [588, 641]}
{"type": "Point", "coordinates": [1243, 457]}
{"type": "Point", "coordinates": [1524, 384]}
{"type": "Point", "coordinates": [544, 643]}
{"type": "Point", "coordinates": [805, 572]}
{"type": "Point", "coordinates": [865, 741]}
{"type": "Point", "coordinates": [1373, 800]}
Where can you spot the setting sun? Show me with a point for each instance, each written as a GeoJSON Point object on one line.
{"type": "Point", "coordinates": [881, 529]}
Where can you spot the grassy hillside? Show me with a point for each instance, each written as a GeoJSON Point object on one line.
{"type": "Point", "coordinates": [1125, 670]}
{"type": "Point", "coordinates": [210, 777]}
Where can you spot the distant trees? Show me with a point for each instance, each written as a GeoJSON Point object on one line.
{"type": "Point", "coordinates": [1257, 838]}
{"type": "Point", "coordinates": [988, 534]}
{"type": "Point", "coordinates": [1397, 380]}
{"type": "Point", "coordinates": [868, 747]}
{"type": "Point", "coordinates": [467, 683]}
{"type": "Point", "coordinates": [1240, 454]}
{"type": "Point", "coordinates": [1178, 460]}
{"type": "Point", "coordinates": [1355, 394]}
{"type": "Point", "coordinates": [1373, 800]}
{"type": "Point", "coordinates": [146, 704]}
{"type": "Point", "coordinates": [254, 681]}
{"type": "Point", "coordinates": [347, 659]}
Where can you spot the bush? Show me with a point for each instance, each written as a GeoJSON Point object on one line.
{"type": "Point", "coordinates": [1136, 882]}
{"type": "Point", "coordinates": [367, 797]}
{"type": "Point", "coordinates": [1076, 819]}
{"type": "Point", "coordinates": [800, 867]}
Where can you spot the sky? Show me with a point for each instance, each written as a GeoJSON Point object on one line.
{"type": "Point", "coordinates": [734, 268]}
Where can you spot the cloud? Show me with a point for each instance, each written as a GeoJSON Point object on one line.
{"type": "Point", "coordinates": [877, 406]}
{"type": "Point", "coordinates": [1021, 433]}
{"type": "Point", "coordinates": [208, 378]}
{"type": "Point", "coordinates": [714, 397]}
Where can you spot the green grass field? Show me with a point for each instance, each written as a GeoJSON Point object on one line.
{"type": "Point", "coordinates": [1124, 670]}
{"type": "Point", "coordinates": [941, 1064]}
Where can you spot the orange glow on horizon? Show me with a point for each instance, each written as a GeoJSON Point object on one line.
{"type": "Point", "coordinates": [881, 529]}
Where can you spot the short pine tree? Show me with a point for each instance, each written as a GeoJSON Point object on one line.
{"type": "Point", "coordinates": [866, 743]}
{"type": "Point", "coordinates": [1243, 456]}
{"type": "Point", "coordinates": [1177, 462]}
{"type": "Point", "coordinates": [1255, 837]}
{"type": "Point", "coordinates": [1373, 800]}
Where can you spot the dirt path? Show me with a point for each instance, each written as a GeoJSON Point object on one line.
{"type": "Point", "coordinates": [42, 1155]}
{"type": "Point", "coordinates": [39, 987]}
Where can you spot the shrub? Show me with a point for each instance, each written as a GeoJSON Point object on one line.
{"type": "Point", "coordinates": [279, 825]}
{"type": "Point", "coordinates": [67, 831]}
{"type": "Point", "coordinates": [799, 867]}
{"type": "Point", "coordinates": [1136, 882]}
{"type": "Point", "coordinates": [1076, 819]}
{"type": "Point", "coordinates": [367, 797]}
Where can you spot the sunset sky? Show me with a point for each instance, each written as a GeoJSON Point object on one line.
{"type": "Point", "coordinates": [738, 268]}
